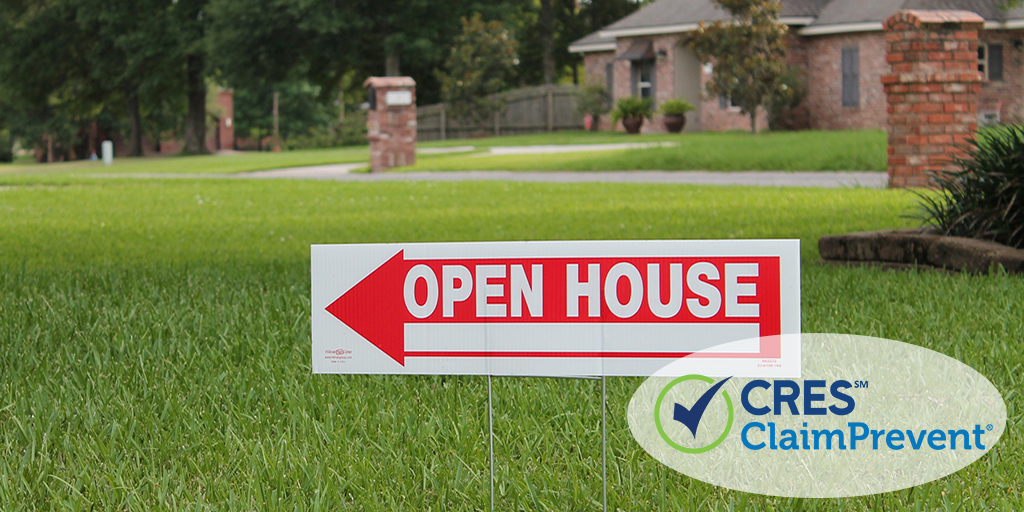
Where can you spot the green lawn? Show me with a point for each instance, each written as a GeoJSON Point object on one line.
{"type": "Point", "coordinates": [242, 162]}
{"type": "Point", "coordinates": [154, 348]}
{"type": "Point", "coordinates": [786, 151]}
{"type": "Point", "coordinates": [733, 151]}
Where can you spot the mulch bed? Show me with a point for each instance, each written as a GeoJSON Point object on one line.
{"type": "Point", "coordinates": [919, 248]}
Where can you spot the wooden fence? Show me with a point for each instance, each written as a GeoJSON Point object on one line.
{"type": "Point", "coordinates": [541, 109]}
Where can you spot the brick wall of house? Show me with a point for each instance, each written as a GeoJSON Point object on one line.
{"type": "Point", "coordinates": [824, 101]}
{"type": "Point", "coordinates": [1008, 94]}
{"type": "Point", "coordinates": [713, 118]}
{"type": "Point", "coordinates": [664, 78]}
{"type": "Point", "coordinates": [594, 65]}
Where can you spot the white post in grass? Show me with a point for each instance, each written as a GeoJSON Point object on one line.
{"type": "Point", "coordinates": [108, 153]}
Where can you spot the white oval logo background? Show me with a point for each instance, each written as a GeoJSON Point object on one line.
{"type": "Point", "coordinates": [908, 388]}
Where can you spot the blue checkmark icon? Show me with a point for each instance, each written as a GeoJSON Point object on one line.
{"type": "Point", "coordinates": [691, 417]}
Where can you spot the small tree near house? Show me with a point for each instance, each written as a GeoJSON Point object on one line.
{"type": "Point", "coordinates": [480, 65]}
{"type": "Point", "coordinates": [748, 53]}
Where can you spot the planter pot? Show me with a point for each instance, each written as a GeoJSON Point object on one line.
{"type": "Point", "coordinates": [674, 124]}
{"type": "Point", "coordinates": [632, 124]}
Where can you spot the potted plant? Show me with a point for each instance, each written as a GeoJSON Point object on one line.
{"type": "Point", "coordinates": [674, 114]}
{"type": "Point", "coordinates": [632, 111]}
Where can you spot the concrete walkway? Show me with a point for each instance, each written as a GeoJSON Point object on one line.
{"type": "Point", "coordinates": [341, 172]}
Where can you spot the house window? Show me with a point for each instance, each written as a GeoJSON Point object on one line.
{"type": "Point", "coordinates": [990, 62]}
{"type": "Point", "coordinates": [726, 103]}
{"type": "Point", "coordinates": [643, 78]}
{"type": "Point", "coordinates": [851, 77]}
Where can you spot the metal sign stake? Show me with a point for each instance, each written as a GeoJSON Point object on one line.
{"type": "Point", "coordinates": [604, 444]}
{"type": "Point", "coordinates": [490, 426]}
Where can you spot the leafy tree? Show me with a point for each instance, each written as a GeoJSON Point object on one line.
{"type": "Point", "coordinates": [128, 51]}
{"type": "Point", "coordinates": [480, 65]}
{"type": "Point", "coordinates": [298, 104]}
{"type": "Point", "coordinates": [748, 53]}
{"type": "Point", "coordinates": [320, 42]}
{"type": "Point", "coordinates": [189, 20]}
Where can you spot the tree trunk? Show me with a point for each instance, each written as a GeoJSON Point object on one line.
{"type": "Point", "coordinates": [195, 125]}
{"type": "Point", "coordinates": [135, 123]}
{"type": "Point", "coordinates": [93, 135]}
{"type": "Point", "coordinates": [392, 63]}
{"type": "Point", "coordinates": [547, 32]}
{"type": "Point", "coordinates": [277, 130]}
{"type": "Point", "coordinates": [753, 122]}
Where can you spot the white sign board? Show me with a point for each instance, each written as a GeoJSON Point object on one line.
{"type": "Point", "coordinates": [559, 309]}
{"type": "Point", "coordinates": [398, 98]}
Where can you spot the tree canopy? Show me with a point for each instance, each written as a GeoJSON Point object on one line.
{"type": "Point", "coordinates": [748, 53]}
{"type": "Point", "coordinates": [142, 68]}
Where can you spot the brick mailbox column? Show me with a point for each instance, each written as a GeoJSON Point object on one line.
{"type": "Point", "coordinates": [932, 90]}
{"type": "Point", "coordinates": [391, 123]}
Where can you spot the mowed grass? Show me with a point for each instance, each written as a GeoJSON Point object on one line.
{"type": "Point", "coordinates": [232, 163]}
{"type": "Point", "coordinates": [154, 347]}
{"type": "Point", "coordinates": [733, 151]}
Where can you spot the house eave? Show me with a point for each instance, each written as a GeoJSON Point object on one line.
{"type": "Point", "coordinates": [1004, 25]}
{"type": "Point", "coordinates": [592, 48]}
{"type": "Point", "coordinates": [685, 27]}
{"type": "Point", "coordinates": [841, 28]}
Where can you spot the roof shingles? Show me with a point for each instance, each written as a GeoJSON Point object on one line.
{"type": "Point", "coordinates": [827, 12]}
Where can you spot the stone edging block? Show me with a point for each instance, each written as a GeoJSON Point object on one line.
{"type": "Point", "coordinates": [916, 247]}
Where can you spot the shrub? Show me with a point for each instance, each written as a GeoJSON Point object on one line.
{"type": "Point", "coordinates": [6, 147]}
{"type": "Point", "coordinates": [351, 133]}
{"type": "Point", "coordinates": [593, 100]}
{"type": "Point", "coordinates": [632, 107]}
{"type": "Point", "coordinates": [791, 92]}
{"type": "Point", "coordinates": [676, 107]}
{"type": "Point", "coordinates": [983, 197]}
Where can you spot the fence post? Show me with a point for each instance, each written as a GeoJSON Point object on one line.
{"type": "Point", "coordinates": [551, 110]}
{"type": "Point", "coordinates": [444, 122]}
{"type": "Point", "coordinates": [497, 127]}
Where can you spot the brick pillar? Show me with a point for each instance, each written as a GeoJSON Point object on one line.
{"type": "Point", "coordinates": [391, 123]}
{"type": "Point", "coordinates": [932, 90]}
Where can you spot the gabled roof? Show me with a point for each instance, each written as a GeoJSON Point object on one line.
{"type": "Point", "coordinates": [813, 16]}
{"type": "Point", "coordinates": [666, 15]}
{"type": "Point", "coordinates": [849, 13]}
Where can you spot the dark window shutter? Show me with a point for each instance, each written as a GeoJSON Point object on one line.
{"type": "Point", "coordinates": [634, 77]}
{"type": "Point", "coordinates": [609, 81]}
{"type": "Point", "coordinates": [995, 62]}
{"type": "Point", "coordinates": [851, 77]}
{"type": "Point", "coordinates": [654, 81]}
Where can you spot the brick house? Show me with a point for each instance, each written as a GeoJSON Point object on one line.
{"type": "Point", "coordinates": [840, 44]}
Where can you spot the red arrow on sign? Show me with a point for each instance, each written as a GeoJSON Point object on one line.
{"type": "Point", "coordinates": [377, 307]}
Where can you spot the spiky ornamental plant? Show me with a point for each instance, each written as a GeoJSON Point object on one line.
{"type": "Point", "coordinates": [983, 196]}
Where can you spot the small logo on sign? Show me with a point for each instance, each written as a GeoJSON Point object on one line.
{"type": "Point", "coordinates": [687, 414]}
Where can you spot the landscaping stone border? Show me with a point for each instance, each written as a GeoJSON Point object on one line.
{"type": "Point", "coordinates": [919, 247]}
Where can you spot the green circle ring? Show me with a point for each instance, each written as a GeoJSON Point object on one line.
{"type": "Point", "coordinates": [661, 430]}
